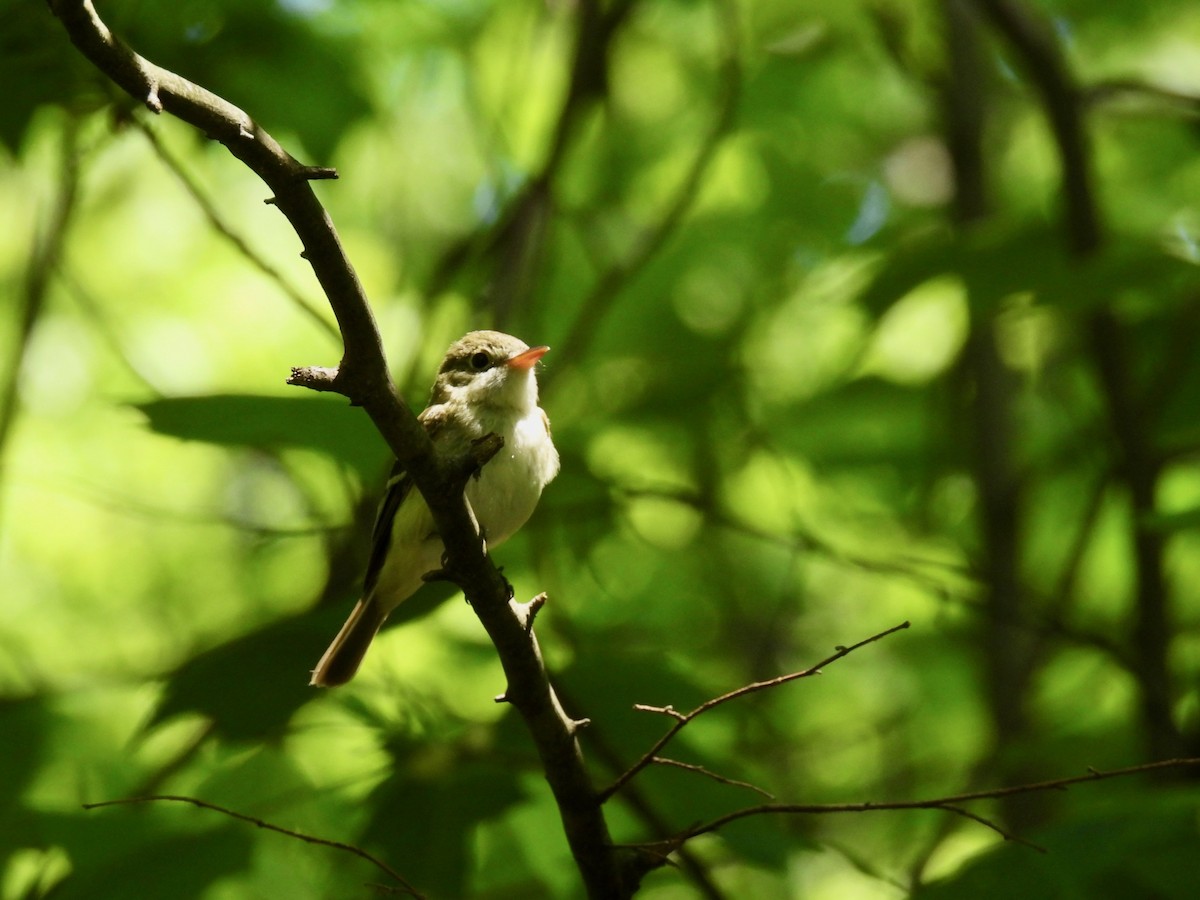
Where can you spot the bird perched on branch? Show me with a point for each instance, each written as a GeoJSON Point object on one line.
{"type": "Point", "coordinates": [486, 385]}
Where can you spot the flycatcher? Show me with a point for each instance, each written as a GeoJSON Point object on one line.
{"type": "Point", "coordinates": [486, 385]}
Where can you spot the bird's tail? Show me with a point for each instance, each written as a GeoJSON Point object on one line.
{"type": "Point", "coordinates": [344, 655]}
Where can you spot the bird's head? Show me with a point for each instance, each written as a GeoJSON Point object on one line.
{"type": "Point", "coordinates": [491, 369]}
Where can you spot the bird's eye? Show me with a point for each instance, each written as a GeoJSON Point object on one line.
{"type": "Point", "coordinates": [480, 361]}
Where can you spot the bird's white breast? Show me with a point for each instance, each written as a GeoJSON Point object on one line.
{"type": "Point", "coordinates": [507, 490]}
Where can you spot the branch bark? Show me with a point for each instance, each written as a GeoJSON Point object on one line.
{"type": "Point", "coordinates": [362, 376]}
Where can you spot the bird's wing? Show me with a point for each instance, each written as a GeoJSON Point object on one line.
{"type": "Point", "coordinates": [399, 485]}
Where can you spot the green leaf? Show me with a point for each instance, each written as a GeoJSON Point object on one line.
{"type": "Point", "coordinates": [251, 686]}
{"type": "Point", "coordinates": [326, 425]}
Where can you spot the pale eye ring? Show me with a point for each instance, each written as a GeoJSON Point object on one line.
{"type": "Point", "coordinates": [480, 361]}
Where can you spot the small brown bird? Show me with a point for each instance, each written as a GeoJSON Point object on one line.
{"type": "Point", "coordinates": [486, 384]}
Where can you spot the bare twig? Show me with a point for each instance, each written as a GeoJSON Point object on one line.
{"type": "Point", "coordinates": [708, 773]}
{"type": "Point", "coordinates": [952, 804]}
{"type": "Point", "coordinates": [682, 719]}
{"type": "Point", "coordinates": [693, 865]}
{"type": "Point", "coordinates": [260, 823]}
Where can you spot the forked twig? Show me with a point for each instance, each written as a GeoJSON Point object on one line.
{"type": "Point", "coordinates": [682, 719]}
{"type": "Point", "coordinates": [951, 804]}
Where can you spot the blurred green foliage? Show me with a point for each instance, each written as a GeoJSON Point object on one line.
{"type": "Point", "coordinates": [798, 401]}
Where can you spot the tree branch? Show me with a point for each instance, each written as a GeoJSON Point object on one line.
{"type": "Point", "coordinates": [950, 804]}
{"type": "Point", "coordinates": [299, 835]}
{"type": "Point", "coordinates": [362, 376]}
{"type": "Point", "coordinates": [682, 719]}
{"type": "Point", "coordinates": [708, 773]}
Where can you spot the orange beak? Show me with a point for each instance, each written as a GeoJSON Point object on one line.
{"type": "Point", "coordinates": [526, 359]}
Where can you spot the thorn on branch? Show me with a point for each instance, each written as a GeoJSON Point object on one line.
{"type": "Point", "coordinates": [153, 101]}
{"type": "Point", "coordinates": [682, 719]}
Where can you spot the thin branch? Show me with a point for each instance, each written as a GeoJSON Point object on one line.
{"type": "Point", "coordinates": [682, 719]}
{"type": "Point", "coordinates": [952, 804]}
{"type": "Point", "coordinates": [260, 823]}
{"type": "Point", "coordinates": [692, 865]}
{"type": "Point", "coordinates": [988, 823]}
{"type": "Point", "coordinates": [708, 773]}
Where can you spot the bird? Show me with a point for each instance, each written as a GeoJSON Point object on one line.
{"type": "Point", "coordinates": [486, 384]}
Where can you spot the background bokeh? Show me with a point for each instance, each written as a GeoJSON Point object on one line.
{"type": "Point", "coordinates": [827, 356]}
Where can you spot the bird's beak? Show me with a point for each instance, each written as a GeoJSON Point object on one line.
{"type": "Point", "coordinates": [527, 359]}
